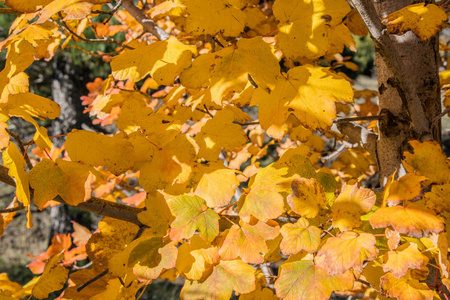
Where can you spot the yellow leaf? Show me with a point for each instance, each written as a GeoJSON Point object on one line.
{"type": "Point", "coordinates": [36, 106]}
{"type": "Point", "coordinates": [346, 251]}
{"type": "Point", "coordinates": [303, 280]}
{"type": "Point", "coordinates": [303, 30]}
{"type": "Point", "coordinates": [439, 198]}
{"type": "Point", "coordinates": [14, 161]}
{"type": "Point", "coordinates": [219, 132]}
{"type": "Point", "coordinates": [309, 93]}
{"type": "Point", "coordinates": [227, 276]}
{"type": "Point", "coordinates": [405, 288]}
{"type": "Point", "coordinates": [151, 256]}
{"type": "Point", "coordinates": [53, 278]}
{"type": "Point", "coordinates": [233, 65]}
{"type": "Point", "coordinates": [307, 196]}
{"type": "Point", "coordinates": [247, 241]}
{"type": "Point", "coordinates": [300, 236]}
{"type": "Point", "coordinates": [27, 6]}
{"type": "Point", "coordinates": [428, 160]}
{"type": "Point", "coordinates": [411, 220]}
{"type": "Point", "coordinates": [113, 237]}
{"type": "Point", "coordinates": [350, 205]}
{"type": "Point", "coordinates": [100, 150]}
{"type": "Point", "coordinates": [167, 60]}
{"type": "Point", "coordinates": [405, 257]}
{"type": "Point", "coordinates": [65, 178]}
{"type": "Point", "coordinates": [197, 258]}
{"type": "Point", "coordinates": [217, 184]}
{"type": "Point", "coordinates": [197, 75]}
{"type": "Point", "coordinates": [212, 17]}
{"type": "Point", "coordinates": [356, 24]}
{"type": "Point", "coordinates": [54, 7]}
{"type": "Point", "coordinates": [157, 215]}
{"type": "Point", "coordinates": [191, 214]}
{"type": "Point", "coordinates": [425, 20]}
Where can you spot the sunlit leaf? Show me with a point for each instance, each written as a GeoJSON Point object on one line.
{"type": "Point", "coordinates": [14, 161]}
{"type": "Point", "coordinates": [405, 288]}
{"type": "Point", "coordinates": [248, 241]}
{"type": "Point", "coordinates": [300, 236]}
{"type": "Point", "coordinates": [307, 197]}
{"type": "Point", "coordinates": [227, 276]}
{"type": "Point", "coordinates": [425, 20]}
{"type": "Point", "coordinates": [411, 220]}
{"type": "Point", "coordinates": [65, 178]}
{"type": "Point", "coordinates": [405, 257]}
{"type": "Point", "coordinates": [348, 250]}
{"type": "Point", "coordinates": [191, 214]}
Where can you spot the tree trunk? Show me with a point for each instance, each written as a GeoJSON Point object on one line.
{"type": "Point", "coordinates": [420, 60]}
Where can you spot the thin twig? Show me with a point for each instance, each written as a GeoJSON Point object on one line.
{"type": "Point", "coordinates": [352, 119]}
{"type": "Point", "coordinates": [12, 209]}
{"type": "Point", "coordinates": [21, 147]}
{"type": "Point", "coordinates": [435, 120]}
{"type": "Point", "coordinates": [92, 53]}
{"type": "Point", "coordinates": [207, 111]}
{"type": "Point", "coordinates": [113, 11]}
{"type": "Point", "coordinates": [148, 25]}
{"type": "Point", "coordinates": [65, 27]}
{"type": "Point", "coordinates": [93, 279]}
{"type": "Point", "coordinates": [9, 11]}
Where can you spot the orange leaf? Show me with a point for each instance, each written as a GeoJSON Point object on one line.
{"type": "Point", "coordinates": [227, 276]}
{"type": "Point", "coordinates": [248, 241]}
{"type": "Point", "coordinates": [27, 6]}
{"type": "Point", "coordinates": [300, 236]}
{"type": "Point", "coordinates": [405, 257]}
{"type": "Point", "coordinates": [411, 220]}
{"type": "Point", "coordinates": [405, 288]}
{"type": "Point", "coordinates": [348, 250]}
{"type": "Point", "coordinates": [350, 205]}
{"type": "Point", "coordinates": [405, 188]}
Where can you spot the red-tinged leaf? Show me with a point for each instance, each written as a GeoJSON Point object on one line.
{"type": "Point", "coordinates": [405, 188]}
{"type": "Point", "coordinates": [300, 236]}
{"type": "Point", "coordinates": [307, 197]}
{"type": "Point", "coordinates": [303, 280]}
{"type": "Point", "coordinates": [227, 276]}
{"type": "Point", "coordinates": [53, 278]}
{"type": "Point", "coordinates": [350, 205]}
{"type": "Point", "coordinates": [191, 214]}
{"type": "Point", "coordinates": [405, 257]}
{"type": "Point", "coordinates": [346, 251]}
{"type": "Point", "coordinates": [249, 241]}
{"type": "Point", "coordinates": [427, 160]}
{"type": "Point", "coordinates": [65, 178]}
{"type": "Point", "coordinates": [405, 288]}
{"type": "Point", "coordinates": [411, 220]}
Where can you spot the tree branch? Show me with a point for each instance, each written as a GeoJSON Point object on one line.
{"type": "Point", "coordinates": [385, 46]}
{"type": "Point", "coordinates": [148, 25]}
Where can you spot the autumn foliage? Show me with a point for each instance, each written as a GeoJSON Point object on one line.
{"type": "Point", "coordinates": [225, 113]}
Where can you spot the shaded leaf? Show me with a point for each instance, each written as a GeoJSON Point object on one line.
{"type": "Point", "coordinates": [53, 278]}
{"type": "Point", "coordinates": [405, 288]}
{"type": "Point", "coordinates": [157, 215]}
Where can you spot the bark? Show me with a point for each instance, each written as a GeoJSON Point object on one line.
{"type": "Point", "coordinates": [408, 84]}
